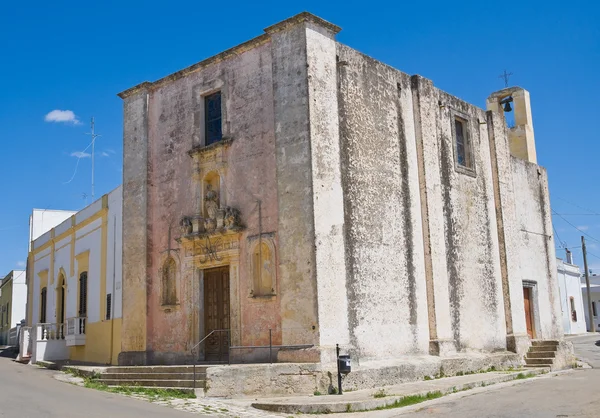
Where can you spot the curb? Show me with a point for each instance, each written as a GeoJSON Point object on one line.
{"type": "Point", "coordinates": [380, 403]}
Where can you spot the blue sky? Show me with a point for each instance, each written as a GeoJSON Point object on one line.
{"type": "Point", "coordinates": [74, 55]}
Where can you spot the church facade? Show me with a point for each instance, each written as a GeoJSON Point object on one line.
{"type": "Point", "coordinates": [293, 190]}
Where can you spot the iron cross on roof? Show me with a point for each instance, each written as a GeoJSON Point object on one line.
{"type": "Point", "coordinates": [505, 76]}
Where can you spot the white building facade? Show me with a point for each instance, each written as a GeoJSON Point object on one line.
{"type": "Point", "coordinates": [595, 295]}
{"type": "Point", "coordinates": [75, 294]}
{"type": "Point", "coordinates": [571, 300]}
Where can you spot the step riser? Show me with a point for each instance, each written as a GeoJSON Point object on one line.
{"type": "Point", "coordinates": [156, 369]}
{"type": "Point", "coordinates": [541, 354]}
{"type": "Point", "coordinates": [538, 343]}
{"type": "Point", "coordinates": [153, 376]}
{"type": "Point", "coordinates": [182, 390]}
{"type": "Point", "coordinates": [533, 361]}
{"type": "Point", "coordinates": [539, 348]}
{"type": "Point", "coordinates": [154, 383]}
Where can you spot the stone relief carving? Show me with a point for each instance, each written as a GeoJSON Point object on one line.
{"type": "Point", "coordinates": [217, 219]}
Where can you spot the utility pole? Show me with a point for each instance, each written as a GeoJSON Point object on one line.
{"type": "Point", "coordinates": [587, 284]}
{"type": "Point", "coordinates": [94, 136]}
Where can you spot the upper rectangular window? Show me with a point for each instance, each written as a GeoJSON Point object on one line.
{"type": "Point", "coordinates": [212, 118]}
{"type": "Point", "coordinates": [594, 309]}
{"type": "Point", "coordinates": [464, 154]}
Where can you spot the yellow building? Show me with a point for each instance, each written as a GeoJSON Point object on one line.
{"type": "Point", "coordinates": [13, 297]}
{"type": "Point", "coordinates": [74, 302]}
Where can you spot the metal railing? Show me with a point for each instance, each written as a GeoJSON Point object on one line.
{"type": "Point", "coordinates": [195, 354]}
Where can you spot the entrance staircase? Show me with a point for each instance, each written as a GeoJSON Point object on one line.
{"type": "Point", "coordinates": [541, 353]}
{"type": "Point", "coordinates": [171, 377]}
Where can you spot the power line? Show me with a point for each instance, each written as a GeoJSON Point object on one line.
{"type": "Point", "coordinates": [579, 206]}
{"type": "Point", "coordinates": [563, 243]}
{"type": "Point", "coordinates": [580, 230]}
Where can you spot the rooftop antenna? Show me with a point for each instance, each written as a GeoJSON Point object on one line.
{"type": "Point", "coordinates": [505, 76]}
{"type": "Point", "coordinates": [94, 136]}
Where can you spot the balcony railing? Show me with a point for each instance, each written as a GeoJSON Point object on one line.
{"type": "Point", "coordinates": [76, 331]}
{"type": "Point", "coordinates": [45, 332]}
{"type": "Point", "coordinates": [76, 326]}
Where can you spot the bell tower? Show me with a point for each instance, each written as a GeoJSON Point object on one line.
{"type": "Point", "coordinates": [521, 137]}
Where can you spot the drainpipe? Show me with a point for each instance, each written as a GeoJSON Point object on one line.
{"type": "Point", "coordinates": [112, 297]}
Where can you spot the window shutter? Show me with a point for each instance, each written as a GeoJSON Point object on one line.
{"type": "Point", "coordinates": [108, 306]}
{"type": "Point", "coordinates": [83, 294]}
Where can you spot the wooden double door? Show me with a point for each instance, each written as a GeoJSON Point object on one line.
{"type": "Point", "coordinates": [216, 314]}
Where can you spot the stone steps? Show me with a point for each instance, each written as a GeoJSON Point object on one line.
{"type": "Point", "coordinates": [171, 377]}
{"type": "Point", "coordinates": [155, 369]}
{"type": "Point", "coordinates": [154, 383]}
{"type": "Point", "coordinates": [541, 353]}
{"type": "Point", "coordinates": [154, 376]}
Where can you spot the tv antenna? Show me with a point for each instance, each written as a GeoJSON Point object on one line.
{"type": "Point", "coordinates": [94, 135]}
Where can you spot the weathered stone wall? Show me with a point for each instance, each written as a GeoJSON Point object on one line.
{"type": "Point", "coordinates": [249, 176]}
{"type": "Point", "coordinates": [135, 238]}
{"type": "Point", "coordinates": [387, 304]}
{"type": "Point", "coordinates": [387, 257]}
{"type": "Point", "coordinates": [470, 232]}
{"type": "Point", "coordinates": [535, 247]}
{"type": "Point", "coordinates": [294, 186]}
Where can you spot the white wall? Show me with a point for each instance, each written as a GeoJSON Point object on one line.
{"type": "Point", "coordinates": [569, 286]}
{"type": "Point", "coordinates": [19, 297]}
{"type": "Point", "coordinates": [87, 238]}
{"type": "Point", "coordinates": [595, 292]}
{"type": "Point", "coordinates": [43, 220]}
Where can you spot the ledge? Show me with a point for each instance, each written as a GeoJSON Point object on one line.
{"type": "Point", "coordinates": [299, 18]}
{"type": "Point", "coordinates": [225, 142]}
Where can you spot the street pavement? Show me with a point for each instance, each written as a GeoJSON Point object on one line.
{"type": "Point", "coordinates": [32, 392]}
{"type": "Point", "coordinates": [28, 391]}
{"type": "Point", "coordinates": [572, 394]}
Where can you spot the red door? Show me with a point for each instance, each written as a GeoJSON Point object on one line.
{"type": "Point", "coordinates": [528, 310]}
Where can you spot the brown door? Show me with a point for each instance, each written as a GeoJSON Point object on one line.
{"type": "Point", "coordinates": [528, 310]}
{"type": "Point", "coordinates": [216, 313]}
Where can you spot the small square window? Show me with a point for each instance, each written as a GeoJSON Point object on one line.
{"type": "Point", "coordinates": [212, 118]}
{"type": "Point", "coordinates": [462, 143]}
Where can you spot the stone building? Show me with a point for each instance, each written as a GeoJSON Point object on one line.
{"type": "Point", "coordinates": [294, 187]}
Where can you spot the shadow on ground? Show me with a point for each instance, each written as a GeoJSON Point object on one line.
{"type": "Point", "coordinates": [9, 353]}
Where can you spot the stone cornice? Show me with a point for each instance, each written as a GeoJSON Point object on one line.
{"type": "Point", "coordinates": [300, 18]}
{"type": "Point", "coordinates": [229, 53]}
{"type": "Point", "coordinates": [232, 52]}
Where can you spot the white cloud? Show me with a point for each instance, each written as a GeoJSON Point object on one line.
{"type": "Point", "coordinates": [105, 154]}
{"type": "Point", "coordinates": [20, 264]}
{"type": "Point", "coordinates": [583, 227]}
{"type": "Point", "coordinates": [62, 116]}
{"type": "Point", "coordinates": [80, 154]}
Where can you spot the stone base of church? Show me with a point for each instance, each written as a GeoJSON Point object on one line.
{"type": "Point", "coordinates": [518, 343]}
{"type": "Point", "coordinates": [282, 379]}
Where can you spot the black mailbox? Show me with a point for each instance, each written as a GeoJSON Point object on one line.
{"type": "Point", "coordinates": [344, 364]}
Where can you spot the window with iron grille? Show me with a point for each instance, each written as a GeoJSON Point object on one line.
{"type": "Point", "coordinates": [83, 294]}
{"type": "Point", "coordinates": [108, 306]}
{"type": "Point", "coordinates": [43, 305]}
{"type": "Point", "coordinates": [212, 118]}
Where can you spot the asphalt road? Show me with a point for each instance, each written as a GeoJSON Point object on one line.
{"type": "Point", "coordinates": [32, 392]}
{"type": "Point", "coordinates": [573, 394]}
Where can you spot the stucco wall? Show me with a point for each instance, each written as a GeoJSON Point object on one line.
{"type": "Point", "coordinates": [384, 218]}
{"type": "Point", "coordinates": [248, 177]}
{"type": "Point", "coordinates": [62, 257]}
{"type": "Point", "coordinates": [569, 286]}
{"type": "Point", "coordinates": [387, 305]}
{"type": "Point", "coordinates": [19, 297]}
{"type": "Point", "coordinates": [535, 246]}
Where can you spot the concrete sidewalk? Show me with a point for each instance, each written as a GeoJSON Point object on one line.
{"type": "Point", "coordinates": [389, 396]}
